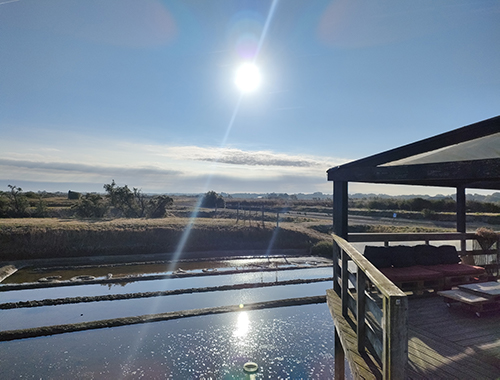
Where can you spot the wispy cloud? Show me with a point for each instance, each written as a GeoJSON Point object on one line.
{"type": "Point", "coordinates": [85, 169]}
{"type": "Point", "coordinates": [8, 1]}
{"type": "Point", "coordinates": [249, 158]}
{"type": "Point", "coordinates": [158, 167]}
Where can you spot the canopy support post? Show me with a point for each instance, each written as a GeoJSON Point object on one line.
{"type": "Point", "coordinates": [461, 213]}
{"type": "Point", "coordinates": [340, 200]}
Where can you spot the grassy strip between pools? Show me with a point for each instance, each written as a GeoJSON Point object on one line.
{"type": "Point", "coordinates": [106, 323]}
{"type": "Point", "coordinates": [114, 297]}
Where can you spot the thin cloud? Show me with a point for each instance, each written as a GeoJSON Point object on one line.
{"type": "Point", "coordinates": [87, 164]}
{"type": "Point", "coordinates": [8, 1]}
{"type": "Point", "coordinates": [87, 169]}
{"type": "Point", "coordinates": [248, 158]}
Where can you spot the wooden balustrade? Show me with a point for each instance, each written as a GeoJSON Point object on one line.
{"type": "Point", "coordinates": [366, 301]}
{"type": "Point", "coordinates": [378, 307]}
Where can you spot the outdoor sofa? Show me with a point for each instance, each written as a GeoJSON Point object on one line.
{"type": "Point", "coordinates": [423, 267]}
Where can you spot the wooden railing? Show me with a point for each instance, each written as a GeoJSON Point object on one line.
{"type": "Point", "coordinates": [379, 307]}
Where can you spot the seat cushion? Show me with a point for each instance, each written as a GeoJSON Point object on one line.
{"type": "Point", "coordinates": [402, 256]}
{"type": "Point", "coordinates": [414, 273]}
{"type": "Point", "coordinates": [380, 257]}
{"type": "Point", "coordinates": [448, 254]}
{"type": "Point", "coordinates": [427, 255]}
{"type": "Point", "coordinates": [456, 269]}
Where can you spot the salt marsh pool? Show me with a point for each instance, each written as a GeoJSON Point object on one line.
{"type": "Point", "coordinates": [22, 318]}
{"type": "Point", "coordinates": [294, 342]}
{"type": "Point", "coordinates": [287, 343]}
{"type": "Point", "coordinates": [162, 284]}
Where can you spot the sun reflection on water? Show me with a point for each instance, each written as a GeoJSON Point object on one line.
{"type": "Point", "coordinates": [242, 325]}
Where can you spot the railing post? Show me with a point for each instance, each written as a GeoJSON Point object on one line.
{"type": "Point", "coordinates": [339, 357]}
{"type": "Point", "coordinates": [395, 344]}
{"type": "Point", "coordinates": [336, 268]}
{"type": "Point", "coordinates": [344, 283]}
{"type": "Point", "coordinates": [360, 309]}
{"type": "Point", "coordinates": [497, 260]}
{"type": "Point", "coordinates": [461, 209]}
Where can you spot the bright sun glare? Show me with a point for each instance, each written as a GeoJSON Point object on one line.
{"type": "Point", "coordinates": [247, 77]}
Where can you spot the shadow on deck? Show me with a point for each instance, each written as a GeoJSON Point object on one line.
{"type": "Point", "coordinates": [451, 343]}
{"type": "Point", "coordinates": [443, 343]}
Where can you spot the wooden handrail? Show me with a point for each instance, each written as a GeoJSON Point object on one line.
{"type": "Point", "coordinates": [381, 316]}
{"type": "Point", "coordinates": [383, 284]}
{"type": "Point", "coordinates": [391, 346]}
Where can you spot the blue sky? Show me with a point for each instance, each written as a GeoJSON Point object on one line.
{"type": "Point", "coordinates": [142, 91]}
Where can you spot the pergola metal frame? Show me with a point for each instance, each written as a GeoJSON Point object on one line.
{"type": "Point", "coordinates": [463, 174]}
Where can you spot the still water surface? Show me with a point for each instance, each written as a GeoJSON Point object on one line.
{"type": "Point", "coordinates": [22, 318]}
{"type": "Point", "coordinates": [164, 284]}
{"type": "Point", "coordinates": [287, 343]}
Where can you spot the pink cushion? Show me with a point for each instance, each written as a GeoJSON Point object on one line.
{"type": "Point", "coordinates": [456, 269]}
{"type": "Point", "coordinates": [414, 273]}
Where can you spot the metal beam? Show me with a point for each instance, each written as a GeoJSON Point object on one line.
{"type": "Point", "coordinates": [448, 174]}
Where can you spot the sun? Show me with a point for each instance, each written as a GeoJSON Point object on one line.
{"type": "Point", "coordinates": [247, 77]}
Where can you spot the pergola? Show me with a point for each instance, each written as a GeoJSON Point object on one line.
{"type": "Point", "coordinates": [467, 157]}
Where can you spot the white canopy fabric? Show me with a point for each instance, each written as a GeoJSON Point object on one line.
{"type": "Point", "coordinates": [467, 157]}
{"type": "Point", "coordinates": [487, 147]}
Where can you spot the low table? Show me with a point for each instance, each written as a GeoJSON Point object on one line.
{"type": "Point", "coordinates": [478, 297]}
{"type": "Point", "coordinates": [489, 289]}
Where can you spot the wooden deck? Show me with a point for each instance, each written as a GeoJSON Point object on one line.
{"type": "Point", "coordinates": [443, 343]}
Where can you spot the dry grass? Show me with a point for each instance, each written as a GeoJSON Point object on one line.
{"type": "Point", "coordinates": [22, 239]}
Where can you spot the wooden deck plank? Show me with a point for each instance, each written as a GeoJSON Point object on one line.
{"type": "Point", "coordinates": [362, 366]}
{"type": "Point", "coordinates": [444, 343]}
{"type": "Point", "coordinates": [482, 363]}
{"type": "Point", "coordinates": [485, 363]}
{"type": "Point", "coordinates": [453, 360]}
{"type": "Point", "coordinates": [479, 339]}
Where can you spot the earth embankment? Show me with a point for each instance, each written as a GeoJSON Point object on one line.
{"type": "Point", "coordinates": [29, 239]}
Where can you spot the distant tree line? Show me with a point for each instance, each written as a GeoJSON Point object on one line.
{"type": "Point", "coordinates": [421, 204]}
{"type": "Point", "coordinates": [118, 201]}
{"type": "Point", "coordinates": [16, 204]}
{"type": "Point", "coordinates": [121, 201]}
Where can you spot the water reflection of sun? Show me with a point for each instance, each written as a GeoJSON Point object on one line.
{"type": "Point", "coordinates": [242, 325]}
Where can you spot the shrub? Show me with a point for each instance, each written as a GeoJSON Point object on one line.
{"type": "Point", "coordinates": [18, 203]}
{"type": "Point", "coordinates": [429, 214]}
{"type": "Point", "coordinates": [91, 206]}
{"type": "Point", "coordinates": [211, 200]}
{"type": "Point", "coordinates": [322, 248]}
{"type": "Point", "coordinates": [157, 206]}
{"type": "Point", "coordinates": [41, 210]}
{"type": "Point", "coordinates": [134, 204]}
